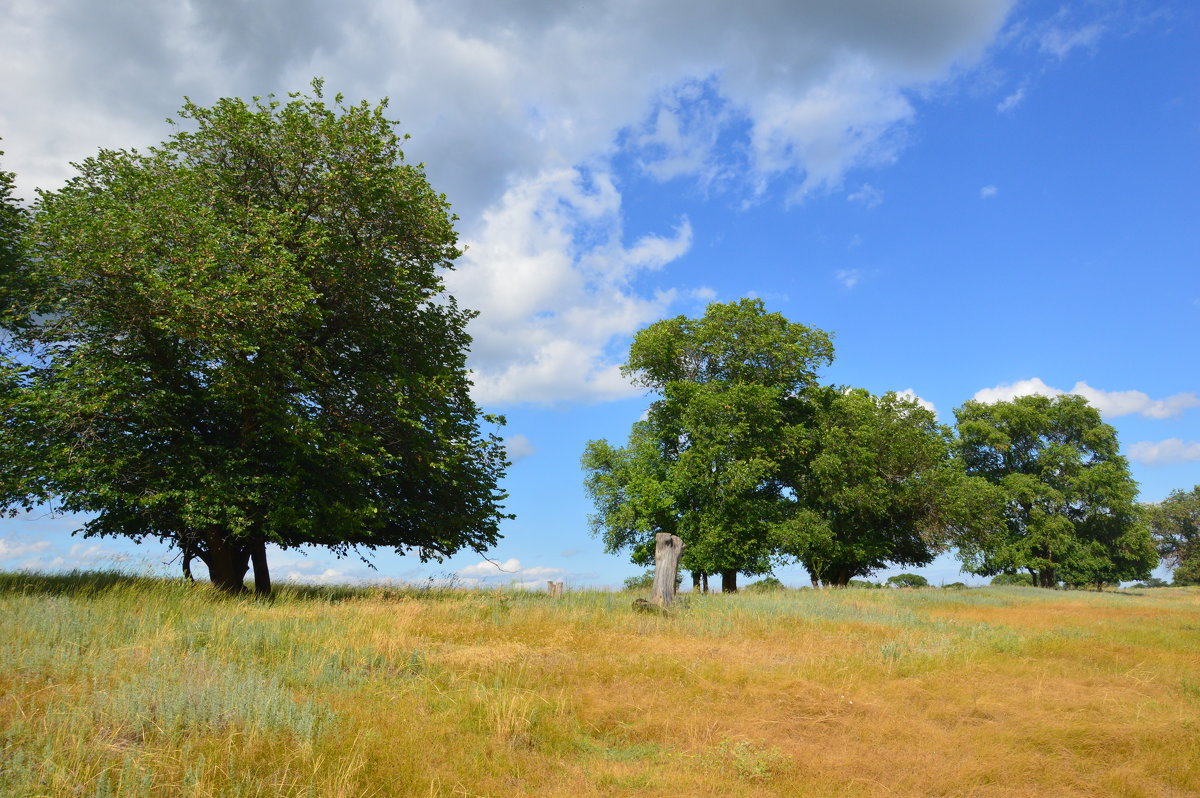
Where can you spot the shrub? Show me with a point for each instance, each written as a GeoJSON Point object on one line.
{"type": "Point", "coordinates": [1022, 579]}
{"type": "Point", "coordinates": [863, 583]}
{"type": "Point", "coordinates": [907, 580]}
{"type": "Point", "coordinates": [955, 586]}
{"type": "Point", "coordinates": [767, 584]}
{"type": "Point", "coordinates": [640, 582]}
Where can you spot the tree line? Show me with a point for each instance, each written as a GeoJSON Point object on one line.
{"type": "Point", "coordinates": [753, 462]}
{"type": "Point", "coordinates": [241, 337]}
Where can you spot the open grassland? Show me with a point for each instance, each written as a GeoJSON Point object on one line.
{"type": "Point", "coordinates": [120, 686]}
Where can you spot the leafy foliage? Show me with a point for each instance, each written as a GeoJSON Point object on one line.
{"type": "Point", "coordinates": [871, 481]}
{"type": "Point", "coordinates": [1175, 525]}
{"type": "Point", "coordinates": [1069, 512]}
{"type": "Point", "coordinates": [1020, 579]}
{"type": "Point", "coordinates": [641, 582]}
{"type": "Point", "coordinates": [768, 584]}
{"type": "Point", "coordinates": [701, 465]}
{"type": "Point", "coordinates": [241, 336]}
{"type": "Point", "coordinates": [907, 580]}
{"type": "Point", "coordinates": [13, 219]}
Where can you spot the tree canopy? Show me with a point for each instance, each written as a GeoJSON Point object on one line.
{"type": "Point", "coordinates": [241, 336]}
{"type": "Point", "coordinates": [871, 481]}
{"type": "Point", "coordinates": [701, 465]}
{"type": "Point", "coordinates": [1175, 525]}
{"type": "Point", "coordinates": [1069, 501]}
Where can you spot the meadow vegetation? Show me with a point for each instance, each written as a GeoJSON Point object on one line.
{"type": "Point", "coordinates": [113, 685]}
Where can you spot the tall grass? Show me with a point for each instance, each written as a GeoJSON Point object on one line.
{"type": "Point", "coordinates": [112, 685]}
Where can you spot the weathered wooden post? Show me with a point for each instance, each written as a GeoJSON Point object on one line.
{"type": "Point", "coordinates": [555, 589]}
{"type": "Point", "coordinates": [667, 550]}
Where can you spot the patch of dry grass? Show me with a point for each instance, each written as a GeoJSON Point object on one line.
{"type": "Point", "coordinates": [116, 686]}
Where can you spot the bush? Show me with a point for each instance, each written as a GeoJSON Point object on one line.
{"type": "Point", "coordinates": [768, 584]}
{"type": "Point", "coordinates": [1153, 581]}
{"type": "Point", "coordinates": [640, 582]}
{"type": "Point", "coordinates": [864, 584]}
{"type": "Point", "coordinates": [955, 586]}
{"type": "Point", "coordinates": [1025, 580]}
{"type": "Point", "coordinates": [907, 580]}
{"type": "Point", "coordinates": [1188, 572]}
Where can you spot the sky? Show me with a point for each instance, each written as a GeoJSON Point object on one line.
{"type": "Point", "coordinates": [977, 198]}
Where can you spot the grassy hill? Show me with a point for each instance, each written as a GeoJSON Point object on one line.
{"type": "Point", "coordinates": [119, 686]}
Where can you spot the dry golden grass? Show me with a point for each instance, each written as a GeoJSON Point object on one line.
{"type": "Point", "coordinates": [130, 687]}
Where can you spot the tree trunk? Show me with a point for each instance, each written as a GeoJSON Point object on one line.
{"type": "Point", "coordinates": [227, 563]}
{"type": "Point", "coordinates": [704, 581]}
{"type": "Point", "coordinates": [695, 581]}
{"type": "Point", "coordinates": [262, 576]}
{"type": "Point", "coordinates": [667, 550]}
{"type": "Point", "coordinates": [728, 581]}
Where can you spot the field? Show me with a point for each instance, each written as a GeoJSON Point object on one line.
{"type": "Point", "coordinates": [113, 685]}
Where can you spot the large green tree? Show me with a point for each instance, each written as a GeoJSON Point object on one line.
{"type": "Point", "coordinates": [241, 337]}
{"type": "Point", "coordinates": [870, 481]}
{"type": "Point", "coordinates": [1175, 525]}
{"type": "Point", "coordinates": [1070, 514]}
{"type": "Point", "coordinates": [702, 464]}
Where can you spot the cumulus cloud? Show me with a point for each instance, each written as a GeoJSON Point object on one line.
{"type": "Point", "coordinates": [1168, 452]}
{"type": "Point", "coordinates": [1110, 403]}
{"type": "Point", "coordinates": [911, 395]}
{"type": "Point", "coordinates": [15, 550]}
{"type": "Point", "coordinates": [519, 110]}
{"type": "Point", "coordinates": [549, 304]}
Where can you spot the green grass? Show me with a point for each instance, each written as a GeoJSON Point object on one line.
{"type": "Point", "coordinates": [117, 685]}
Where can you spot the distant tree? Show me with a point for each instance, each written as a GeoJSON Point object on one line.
{"type": "Point", "coordinates": [1021, 579]}
{"type": "Point", "coordinates": [1175, 525]}
{"type": "Point", "coordinates": [907, 580]}
{"type": "Point", "coordinates": [1153, 581]}
{"type": "Point", "coordinates": [869, 480]}
{"type": "Point", "coordinates": [241, 337]}
{"type": "Point", "coordinates": [767, 584]}
{"type": "Point", "coordinates": [863, 584]}
{"type": "Point", "coordinates": [640, 582]}
{"type": "Point", "coordinates": [702, 464]}
{"type": "Point", "coordinates": [1070, 515]}
{"type": "Point", "coordinates": [955, 586]}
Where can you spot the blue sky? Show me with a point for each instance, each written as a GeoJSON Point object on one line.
{"type": "Point", "coordinates": [978, 199]}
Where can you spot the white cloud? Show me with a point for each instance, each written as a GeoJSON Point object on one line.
{"type": "Point", "coordinates": [1011, 101]}
{"type": "Point", "coordinates": [1168, 452]}
{"type": "Point", "coordinates": [987, 192]}
{"type": "Point", "coordinates": [911, 395]}
{"type": "Point", "coordinates": [518, 109]}
{"type": "Point", "coordinates": [549, 306]}
{"type": "Point", "coordinates": [848, 277]}
{"type": "Point", "coordinates": [1110, 403]}
{"type": "Point", "coordinates": [509, 572]}
{"type": "Point", "coordinates": [518, 446]}
{"type": "Point", "coordinates": [1060, 41]}
{"type": "Point", "coordinates": [867, 195]}
{"type": "Point", "coordinates": [15, 550]}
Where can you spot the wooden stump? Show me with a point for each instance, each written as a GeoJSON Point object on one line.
{"type": "Point", "coordinates": [555, 589]}
{"type": "Point", "coordinates": [667, 550]}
